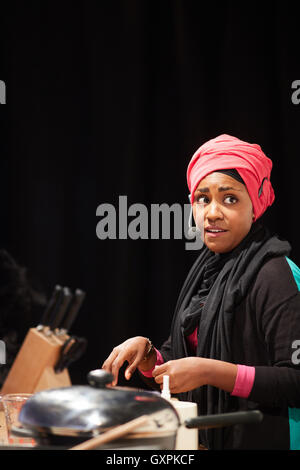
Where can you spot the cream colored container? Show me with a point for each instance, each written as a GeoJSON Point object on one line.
{"type": "Point", "coordinates": [187, 439]}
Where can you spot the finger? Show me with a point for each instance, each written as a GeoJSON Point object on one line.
{"type": "Point", "coordinates": [158, 370]}
{"type": "Point", "coordinates": [178, 389]}
{"type": "Point", "coordinates": [118, 363]}
{"type": "Point", "coordinates": [116, 366]}
{"type": "Point", "coordinates": [107, 364]}
{"type": "Point", "coordinates": [130, 370]}
{"type": "Point", "coordinates": [133, 364]}
{"type": "Point", "coordinates": [159, 379]}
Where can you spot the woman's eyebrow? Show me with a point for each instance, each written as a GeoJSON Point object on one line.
{"type": "Point", "coordinates": [220, 189]}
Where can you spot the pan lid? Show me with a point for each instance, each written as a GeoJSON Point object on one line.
{"type": "Point", "coordinates": [94, 408]}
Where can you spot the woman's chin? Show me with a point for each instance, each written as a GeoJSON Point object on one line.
{"type": "Point", "coordinates": [217, 246]}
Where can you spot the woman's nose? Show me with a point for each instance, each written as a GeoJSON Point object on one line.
{"type": "Point", "coordinates": [213, 211]}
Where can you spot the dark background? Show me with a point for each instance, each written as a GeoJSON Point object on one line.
{"type": "Point", "coordinates": [112, 98]}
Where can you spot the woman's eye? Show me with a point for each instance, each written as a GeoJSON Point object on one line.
{"type": "Point", "coordinates": [201, 199]}
{"type": "Point", "coordinates": [205, 200]}
{"type": "Point", "coordinates": [230, 199]}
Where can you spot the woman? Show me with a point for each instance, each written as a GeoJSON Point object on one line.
{"type": "Point", "coordinates": [237, 318]}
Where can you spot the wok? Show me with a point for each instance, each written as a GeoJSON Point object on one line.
{"type": "Point", "coordinates": [65, 417]}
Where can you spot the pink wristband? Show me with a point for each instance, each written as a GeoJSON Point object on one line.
{"type": "Point", "coordinates": [159, 361]}
{"type": "Point", "coordinates": [244, 381]}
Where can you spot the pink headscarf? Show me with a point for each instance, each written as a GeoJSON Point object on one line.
{"type": "Point", "coordinates": [225, 152]}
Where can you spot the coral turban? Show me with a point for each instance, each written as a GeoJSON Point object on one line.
{"type": "Point", "coordinates": [227, 152]}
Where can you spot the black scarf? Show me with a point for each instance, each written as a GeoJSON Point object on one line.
{"type": "Point", "coordinates": [213, 289]}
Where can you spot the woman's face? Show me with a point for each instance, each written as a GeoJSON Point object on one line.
{"type": "Point", "coordinates": [222, 203]}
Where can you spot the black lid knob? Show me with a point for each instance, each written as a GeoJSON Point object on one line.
{"type": "Point", "coordinates": [98, 378]}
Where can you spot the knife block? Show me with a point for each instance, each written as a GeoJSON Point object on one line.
{"type": "Point", "coordinates": [33, 367]}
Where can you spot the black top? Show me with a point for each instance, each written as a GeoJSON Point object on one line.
{"type": "Point", "coordinates": [265, 324]}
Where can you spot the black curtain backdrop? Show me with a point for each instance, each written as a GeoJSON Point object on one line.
{"type": "Point", "coordinates": [106, 99]}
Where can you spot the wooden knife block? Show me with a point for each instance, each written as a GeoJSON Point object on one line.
{"type": "Point", "coordinates": [33, 368]}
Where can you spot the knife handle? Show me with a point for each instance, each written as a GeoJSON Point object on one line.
{"type": "Point", "coordinates": [59, 314]}
{"type": "Point", "coordinates": [50, 307]}
{"type": "Point", "coordinates": [73, 310]}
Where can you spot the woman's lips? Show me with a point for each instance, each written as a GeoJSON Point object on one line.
{"type": "Point", "coordinates": [215, 234]}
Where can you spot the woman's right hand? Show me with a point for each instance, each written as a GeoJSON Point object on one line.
{"type": "Point", "coordinates": [133, 351]}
